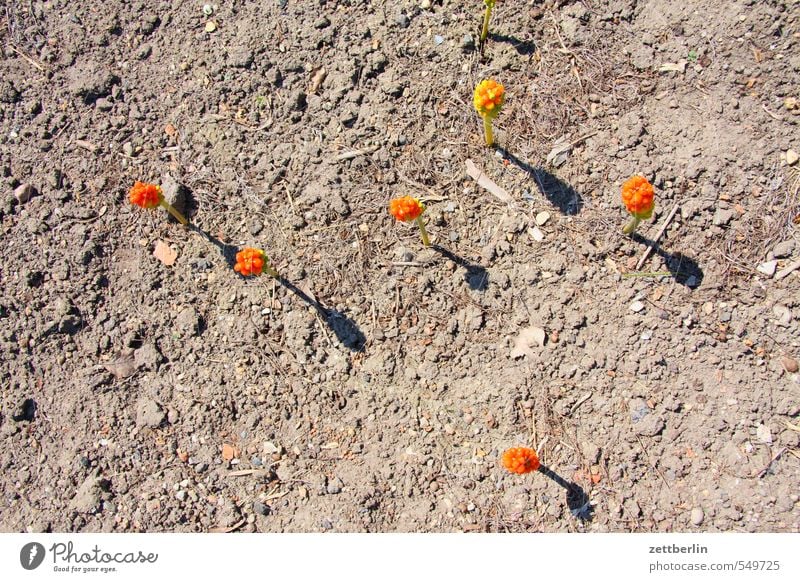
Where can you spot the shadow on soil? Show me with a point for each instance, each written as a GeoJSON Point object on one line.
{"type": "Point", "coordinates": [228, 251]}
{"type": "Point", "coordinates": [577, 500]}
{"type": "Point", "coordinates": [684, 270]}
{"type": "Point", "coordinates": [476, 276]}
{"type": "Point", "coordinates": [559, 193]}
{"type": "Point", "coordinates": [347, 331]}
{"type": "Point", "coordinates": [523, 47]}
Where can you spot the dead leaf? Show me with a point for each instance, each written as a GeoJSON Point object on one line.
{"type": "Point", "coordinates": [234, 527]}
{"type": "Point", "coordinates": [527, 338]}
{"type": "Point", "coordinates": [317, 80]}
{"type": "Point", "coordinates": [486, 183]}
{"type": "Point", "coordinates": [229, 452]}
{"type": "Point", "coordinates": [679, 67]}
{"type": "Point", "coordinates": [170, 130]}
{"type": "Point", "coordinates": [165, 253]}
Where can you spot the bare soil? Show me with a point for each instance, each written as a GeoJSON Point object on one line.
{"type": "Point", "coordinates": [374, 386]}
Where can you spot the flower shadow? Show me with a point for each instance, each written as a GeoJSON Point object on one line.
{"type": "Point", "coordinates": [683, 269]}
{"type": "Point", "coordinates": [346, 330]}
{"type": "Point", "coordinates": [523, 47]}
{"type": "Point", "coordinates": [476, 276]}
{"type": "Point", "coordinates": [559, 193]}
{"type": "Point", "coordinates": [577, 499]}
{"type": "Point", "coordinates": [228, 251]}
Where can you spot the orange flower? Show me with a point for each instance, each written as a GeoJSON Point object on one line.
{"type": "Point", "coordinates": [250, 261]}
{"type": "Point", "coordinates": [521, 460]}
{"type": "Point", "coordinates": [488, 98]}
{"type": "Point", "coordinates": [406, 208]}
{"type": "Point", "coordinates": [146, 195]}
{"type": "Point", "coordinates": [637, 195]}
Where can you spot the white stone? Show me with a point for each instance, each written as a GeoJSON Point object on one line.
{"type": "Point", "coordinates": [767, 268]}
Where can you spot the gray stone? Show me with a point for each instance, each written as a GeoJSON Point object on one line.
{"type": "Point", "coordinates": [638, 409]}
{"type": "Point", "coordinates": [783, 315]}
{"type": "Point", "coordinates": [632, 508]}
{"type": "Point", "coordinates": [650, 425]}
{"type": "Point", "coordinates": [90, 80]}
{"type": "Point", "coordinates": [723, 216]}
{"type": "Point", "coordinates": [174, 192]}
{"type": "Point", "coordinates": [261, 508]}
{"type": "Point", "coordinates": [783, 250]}
{"type": "Point", "coordinates": [254, 226]}
{"type": "Point", "coordinates": [188, 321]}
{"type": "Point", "coordinates": [334, 486]}
{"type": "Point", "coordinates": [467, 43]}
{"type": "Point", "coordinates": [87, 497]}
{"type": "Point", "coordinates": [149, 413]}
{"type": "Point", "coordinates": [104, 104]}
{"type": "Point", "coordinates": [24, 192]}
{"type": "Point", "coordinates": [147, 357]}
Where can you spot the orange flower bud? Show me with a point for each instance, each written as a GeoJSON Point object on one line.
{"type": "Point", "coordinates": [521, 460]}
{"type": "Point", "coordinates": [406, 208]}
{"type": "Point", "coordinates": [250, 261]}
{"type": "Point", "coordinates": [145, 195]}
{"type": "Point", "coordinates": [488, 98]}
{"type": "Point", "coordinates": [638, 197]}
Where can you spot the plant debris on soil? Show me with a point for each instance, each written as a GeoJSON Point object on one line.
{"type": "Point", "coordinates": [374, 385]}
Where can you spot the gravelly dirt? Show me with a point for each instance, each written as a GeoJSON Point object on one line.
{"type": "Point", "coordinates": [373, 387]}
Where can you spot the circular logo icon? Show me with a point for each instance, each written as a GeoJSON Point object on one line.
{"type": "Point", "coordinates": [31, 555]}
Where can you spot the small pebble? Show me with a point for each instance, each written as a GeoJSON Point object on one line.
{"type": "Point", "coordinates": [791, 157]}
{"type": "Point", "coordinates": [767, 268]}
{"type": "Point", "coordinates": [783, 315]}
{"type": "Point", "coordinates": [211, 26]}
{"type": "Point", "coordinates": [783, 249]}
{"type": "Point", "coordinates": [542, 218]}
{"type": "Point", "coordinates": [24, 192]}
{"type": "Point", "coordinates": [208, 9]}
{"type": "Point", "coordinates": [636, 306]}
{"type": "Point", "coordinates": [697, 516]}
{"type": "Point", "coordinates": [789, 364]}
{"type": "Point", "coordinates": [261, 508]}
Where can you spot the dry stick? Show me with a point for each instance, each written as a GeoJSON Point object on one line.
{"type": "Point", "coordinates": [772, 460]}
{"type": "Point", "coordinates": [787, 270]}
{"type": "Point", "coordinates": [658, 236]}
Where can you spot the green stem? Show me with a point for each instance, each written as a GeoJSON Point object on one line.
{"type": "Point", "coordinates": [178, 216]}
{"type": "Point", "coordinates": [486, 17]}
{"type": "Point", "coordinates": [270, 271]}
{"type": "Point", "coordinates": [487, 130]}
{"type": "Point", "coordinates": [631, 227]}
{"type": "Point", "coordinates": [424, 232]}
